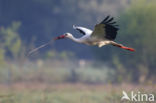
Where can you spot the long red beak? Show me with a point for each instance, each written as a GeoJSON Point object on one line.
{"type": "Point", "coordinates": [60, 37]}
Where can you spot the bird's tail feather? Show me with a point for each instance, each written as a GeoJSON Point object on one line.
{"type": "Point", "coordinates": [123, 47]}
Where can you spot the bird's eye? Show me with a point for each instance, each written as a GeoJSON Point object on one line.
{"type": "Point", "coordinates": [65, 34]}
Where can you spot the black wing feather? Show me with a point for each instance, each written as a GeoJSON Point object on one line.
{"type": "Point", "coordinates": [109, 20]}
{"type": "Point", "coordinates": [111, 32]}
{"type": "Point", "coordinates": [112, 23]}
{"type": "Point", "coordinates": [110, 28]}
{"type": "Point", "coordinates": [80, 31]}
{"type": "Point", "coordinates": [105, 19]}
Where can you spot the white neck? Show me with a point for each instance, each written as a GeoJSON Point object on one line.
{"type": "Point", "coordinates": [75, 39]}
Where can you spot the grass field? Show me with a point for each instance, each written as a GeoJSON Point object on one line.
{"type": "Point", "coordinates": [69, 93]}
{"type": "Point", "coordinates": [64, 82]}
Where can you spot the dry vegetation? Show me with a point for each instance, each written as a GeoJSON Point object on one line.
{"type": "Point", "coordinates": [68, 93]}
{"type": "Point", "coordinates": [52, 82]}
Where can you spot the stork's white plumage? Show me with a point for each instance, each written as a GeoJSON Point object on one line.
{"type": "Point", "coordinates": [104, 33]}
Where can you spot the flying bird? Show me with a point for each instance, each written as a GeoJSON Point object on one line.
{"type": "Point", "coordinates": [104, 33]}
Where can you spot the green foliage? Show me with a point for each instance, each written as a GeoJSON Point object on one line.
{"type": "Point", "coordinates": [138, 25]}
{"type": "Point", "coordinates": [45, 19]}
{"type": "Point", "coordinates": [2, 56]}
{"type": "Point", "coordinates": [138, 30]}
{"type": "Point", "coordinates": [95, 75]}
{"type": "Point", "coordinates": [42, 19]}
{"type": "Point", "coordinates": [63, 55]}
{"type": "Point", "coordinates": [56, 71]}
{"type": "Point", "coordinates": [10, 40]}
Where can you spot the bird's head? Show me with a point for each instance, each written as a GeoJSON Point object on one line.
{"type": "Point", "coordinates": [66, 35]}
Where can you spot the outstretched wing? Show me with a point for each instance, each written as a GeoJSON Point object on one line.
{"type": "Point", "coordinates": [83, 30]}
{"type": "Point", "coordinates": [107, 29]}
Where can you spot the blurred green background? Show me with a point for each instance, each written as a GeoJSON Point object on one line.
{"type": "Point", "coordinates": [26, 24]}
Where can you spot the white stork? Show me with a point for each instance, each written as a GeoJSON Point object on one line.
{"type": "Point", "coordinates": [104, 33]}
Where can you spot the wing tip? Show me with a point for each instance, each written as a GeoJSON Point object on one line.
{"type": "Point", "coordinates": [74, 27]}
